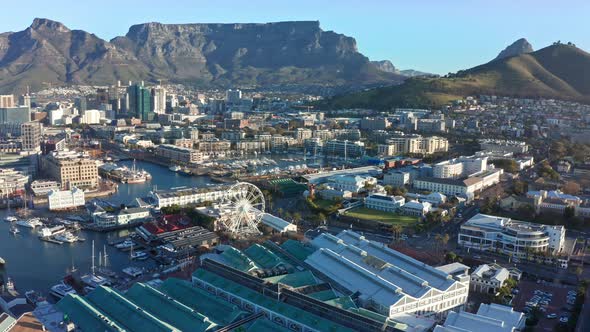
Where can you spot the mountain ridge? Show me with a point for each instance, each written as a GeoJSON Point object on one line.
{"type": "Point", "coordinates": [297, 53]}
{"type": "Point", "coordinates": [557, 71]}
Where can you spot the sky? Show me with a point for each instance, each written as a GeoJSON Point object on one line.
{"type": "Point", "coordinates": [436, 36]}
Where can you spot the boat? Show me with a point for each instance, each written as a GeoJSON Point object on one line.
{"type": "Point", "coordinates": [51, 231]}
{"type": "Point", "coordinates": [175, 168]}
{"type": "Point", "coordinates": [67, 237]}
{"type": "Point", "coordinates": [60, 290]}
{"type": "Point", "coordinates": [94, 280]}
{"type": "Point", "coordinates": [35, 298]}
{"type": "Point", "coordinates": [11, 219]}
{"type": "Point", "coordinates": [139, 255]}
{"type": "Point", "coordinates": [2, 261]}
{"type": "Point", "coordinates": [125, 244]}
{"type": "Point", "coordinates": [10, 288]}
{"type": "Point", "coordinates": [14, 230]}
{"type": "Point", "coordinates": [30, 223]}
{"type": "Point", "coordinates": [133, 271]}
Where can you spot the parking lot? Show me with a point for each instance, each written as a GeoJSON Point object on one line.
{"type": "Point", "coordinates": [540, 293]}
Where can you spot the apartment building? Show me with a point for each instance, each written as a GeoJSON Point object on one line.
{"type": "Point", "coordinates": [71, 169]}
{"type": "Point", "coordinates": [31, 134]}
{"type": "Point", "coordinates": [413, 144]}
{"type": "Point", "coordinates": [460, 167]}
{"type": "Point", "coordinates": [178, 154]}
{"type": "Point", "coordinates": [500, 145]}
{"type": "Point", "coordinates": [66, 199]}
{"type": "Point", "coordinates": [512, 237]}
{"type": "Point", "coordinates": [345, 149]}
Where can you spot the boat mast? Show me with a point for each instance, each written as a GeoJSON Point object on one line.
{"type": "Point", "coordinates": [93, 267]}
{"type": "Point", "coordinates": [105, 256]}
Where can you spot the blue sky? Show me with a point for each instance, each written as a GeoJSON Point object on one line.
{"type": "Point", "coordinates": [431, 35]}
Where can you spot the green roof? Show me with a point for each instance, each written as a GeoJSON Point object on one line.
{"type": "Point", "coordinates": [238, 260]}
{"type": "Point", "coordinates": [167, 309]}
{"type": "Point", "coordinates": [324, 295]}
{"type": "Point", "coordinates": [262, 256]}
{"type": "Point", "coordinates": [264, 325]}
{"type": "Point", "coordinates": [293, 313]}
{"type": "Point", "coordinates": [344, 302]}
{"type": "Point", "coordinates": [217, 310]}
{"type": "Point", "coordinates": [296, 279]}
{"type": "Point", "coordinates": [380, 318]}
{"type": "Point", "coordinates": [86, 316]}
{"type": "Point", "coordinates": [297, 249]}
{"type": "Point", "coordinates": [125, 312]}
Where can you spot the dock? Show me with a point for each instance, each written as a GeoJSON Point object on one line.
{"type": "Point", "coordinates": [51, 240]}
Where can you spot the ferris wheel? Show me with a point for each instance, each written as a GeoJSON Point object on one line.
{"type": "Point", "coordinates": [243, 208]}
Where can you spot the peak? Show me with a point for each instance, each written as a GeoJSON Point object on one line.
{"type": "Point", "coordinates": [520, 46]}
{"type": "Point", "coordinates": [44, 23]}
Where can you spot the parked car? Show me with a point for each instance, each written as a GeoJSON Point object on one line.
{"type": "Point", "coordinates": [551, 316]}
{"type": "Point", "coordinates": [564, 319]}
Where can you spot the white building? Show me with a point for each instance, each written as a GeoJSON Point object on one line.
{"type": "Point", "coordinates": [90, 117]}
{"type": "Point", "coordinates": [352, 183]}
{"type": "Point", "coordinates": [500, 145]}
{"type": "Point", "coordinates": [415, 208]}
{"type": "Point", "coordinates": [388, 281]}
{"type": "Point", "coordinates": [413, 144]}
{"type": "Point", "coordinates": [66, 199]}
{"type": "Point", "coordinates": [396, 178]}
{"type": "Point", "coordinates": [512, 237]}
{"type": "Point", "coordinates": [461, 187]}
{"type": "Point", "coordinates": [459, 167]}
{"type": "Point", "coordinates": [186, 196]}
{"type": "Point", "coordinates": [277, 224]}
{"type": "Point", "coordinates": [489, 318]}
{"type": "Point", "coordinates": [488, 278]}
{"type": "Point", "coordinates": [159, 100]}
{"type": "Point", "coordinates": [385, 203]}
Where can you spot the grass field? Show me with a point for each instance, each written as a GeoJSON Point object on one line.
{"type": "Point", "coordinates": [381, 216]}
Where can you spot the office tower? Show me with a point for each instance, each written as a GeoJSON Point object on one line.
{"type": "Point", "coordinates": [140, 102]}
{"type": "Point", "coordinates": [31, 133]}
{"type": "Point", "coordinates": [81, 103]}
{"type": "Point", "coordinates": [233, 96]}
{"type": "Point", "coordinates": [25, 100]}
{"type": "Point", "coordinates": [159, 100]}
{"type": "Point", "coordinates": [6, 101]}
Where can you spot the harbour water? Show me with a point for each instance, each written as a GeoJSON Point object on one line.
{"type": "Point", "coordinates": [35, 264]}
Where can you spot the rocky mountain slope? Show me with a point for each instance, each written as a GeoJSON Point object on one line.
{"type": "Point", "coordinates": [220, 55]}
{"type": "Point", "coordinates": [521, 46]}
{"type": "Point", "coordinates": [558, 71]}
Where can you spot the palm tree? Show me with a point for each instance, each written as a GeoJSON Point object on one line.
{"type": "Point", "coordinates": [296, 217]}
{"type": "Point", "coordinates": [396, 230]}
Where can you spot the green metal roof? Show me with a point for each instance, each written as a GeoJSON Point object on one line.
{"type": "Point", "coordinates": [86, 316]}
{"type": "Point", "coordinates": [297, 249]}
{"type": "Point", "coordinates": [344, 302]}
{"type": "Point", "coordinates": [217, 310]}
{"type": "Point", "coordinates": [380, 318]}
{"type": "Point", "coordinates": [296, 279]}
{"type": "Point", "coordinates": [324, 295]}
{"type": "Point", "coordinates": [264, 325]}
{"type": "Point", "coordinates": [167, 309]}
{"type": "Point", "coordinates": [293, 313]}
{"type": "Point", "coordinates": [238, 260]}
{"type": "Point", "coordinates": [125, 312]}
{"type": "Point", "coordinates": [262, 256]}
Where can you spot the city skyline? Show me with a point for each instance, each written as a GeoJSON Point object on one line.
{"type": "Point", "coordinates": [437, 38]}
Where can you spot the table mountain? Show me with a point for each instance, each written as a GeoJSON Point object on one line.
{"type": "Point", "coordinates": [558, 71]}
{"type": "Point", "coordinates": [519, 47]}
{"type": "Point", "coordinates": [220, 55]}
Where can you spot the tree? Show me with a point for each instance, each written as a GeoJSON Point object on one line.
{"type": "Point", "coordinates": [280, 211]}
{"type": "Point", "coordinates": [296, 217]}
{"type": "Point", "coordinates": [571, 187]}
{"type": "Point", "coordinates": [396, 230]}
{"type": "Point", "coordinates": [519, 187]}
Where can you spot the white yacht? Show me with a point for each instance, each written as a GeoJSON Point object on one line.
{"type": "Point", "coordinates": [66, 237]}
{"type": "Point", "coordinates": [60, 290]}
{"type": "Point", "coordinates": [11, 219]}
{"type": "Point", "coordinates": [125, 244]}
{"type": "Point", "coordinates": [175, 168]}
{"type": "Point", "coordinates": [30, 223]}
{"type": "Point", "coordinates": [51, 231]}
{"type": "Point", "coordinates": [139, 255]}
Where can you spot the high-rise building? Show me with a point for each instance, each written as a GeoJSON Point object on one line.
{"type": "Point", "coordinates": [15, 115]}
{"type": "Point", "coordinates": [25, 100]}
{"type": "Point", "coordinates": [140, 102]}
{"type": "Point", "coordinates": [233, 96]}
{"type": "Point", "coordinates": [6, 101]}
{"type": "Point", "coordinates": [159, 100]}
{"type": "Point", "coordinates": [81, 103]}
{"type": "Point", "coordinates": [31, 133]}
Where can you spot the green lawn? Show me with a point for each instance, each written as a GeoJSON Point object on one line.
{"type": "Point", "coordinates": [324, 203]}
{"type": "Point", "coordinates": [381, 216]}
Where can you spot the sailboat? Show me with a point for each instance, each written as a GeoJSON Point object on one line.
{"type": "Point", "coordinates": [139, 255]}
{"type": "Point", "coordinates": [9, 217]}
{"type": "Point", "coordinates": [92, 280]}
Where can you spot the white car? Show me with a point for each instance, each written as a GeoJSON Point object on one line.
{"type": "Point", "coordinates": [551, 316]}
